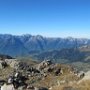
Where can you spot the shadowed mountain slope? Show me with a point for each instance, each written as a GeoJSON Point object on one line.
{"type": "Point", "coordinates": [28, 44]}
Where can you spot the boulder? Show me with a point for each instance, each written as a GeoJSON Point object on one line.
{"type": "Point", "coordinates": [44, 64]}
{"type": "Point", "coordinates": [18, 80]}
{"type": "Point", "coordinates": [13, 63]}
{"type": "Point", "coordinates": [10, 80]}
{"type": "Point", "coordinates": [3, 64]}
{"type": "Point", "coordinates": [2, 82]}
{"type": "Point", "coordinates": [49, 69]}
{"type": "Point", "coordinates": [81, 74]}
{"type": "Point", "coordinates": [33, 70]}
{"type": "Point", "coordinates": [30, 87]}
{"type": "Point", "coordinates": [58, 71]}
{"type": "Point", "coordinates": [7, 87]}
{"type": "Point", "coordinates": [16, 64]}
{"type": "Point", "coordinates": [85, 78]}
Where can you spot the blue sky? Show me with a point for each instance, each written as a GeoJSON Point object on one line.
{"type": "Point", "coordinates": [51, 18]}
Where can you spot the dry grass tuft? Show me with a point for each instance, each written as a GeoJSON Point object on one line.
{"type": "Point", "coordinates": [85, 85]}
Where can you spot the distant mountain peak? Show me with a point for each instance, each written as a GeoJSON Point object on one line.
{"type": "Point", "coordinates": [23, 44]}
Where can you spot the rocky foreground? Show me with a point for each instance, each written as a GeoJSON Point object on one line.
{"type": "Point", "coordinates": [46, 75]}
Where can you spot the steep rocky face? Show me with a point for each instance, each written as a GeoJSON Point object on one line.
{"type": "Point", "coordinates": [25, 44]}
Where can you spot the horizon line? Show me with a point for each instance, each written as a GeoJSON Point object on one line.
{"type": "Point", "coordinates": [44, 36]}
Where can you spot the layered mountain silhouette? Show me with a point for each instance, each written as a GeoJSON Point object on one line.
{"type": "Point", "coordinates": [15, 45]}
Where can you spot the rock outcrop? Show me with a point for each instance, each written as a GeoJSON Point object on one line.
{"type": "Point", "coordinates": [3, 64]}
{"type": "Point", "coordinates": [40, 76]}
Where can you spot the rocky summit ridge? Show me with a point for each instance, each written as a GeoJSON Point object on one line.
{"type": "Point", "coordinates": [45, 75]}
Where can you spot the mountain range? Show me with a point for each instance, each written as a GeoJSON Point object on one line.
{"type": "Point", "coordinates": [20, 45]}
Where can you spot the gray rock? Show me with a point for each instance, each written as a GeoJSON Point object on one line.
{"type": "Point", "coordinates": [2, 82]}
{"type": "Point", "coordinates": [3, 64]}
{"type": "Point", "coordinates": [58, 71]}
{"type": "Point", "coordinates": [81, 74]}
{"type": "Point", "coordinates": [30, 87]}
{"type": "Point", "coordinates": [44, 64]}
{"type": "Point", "coordinates": [16, 64]}
{"type": "Point", "coordinates": [13, 63]}
{"type": "Point", "coordinates": [7, 87]}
